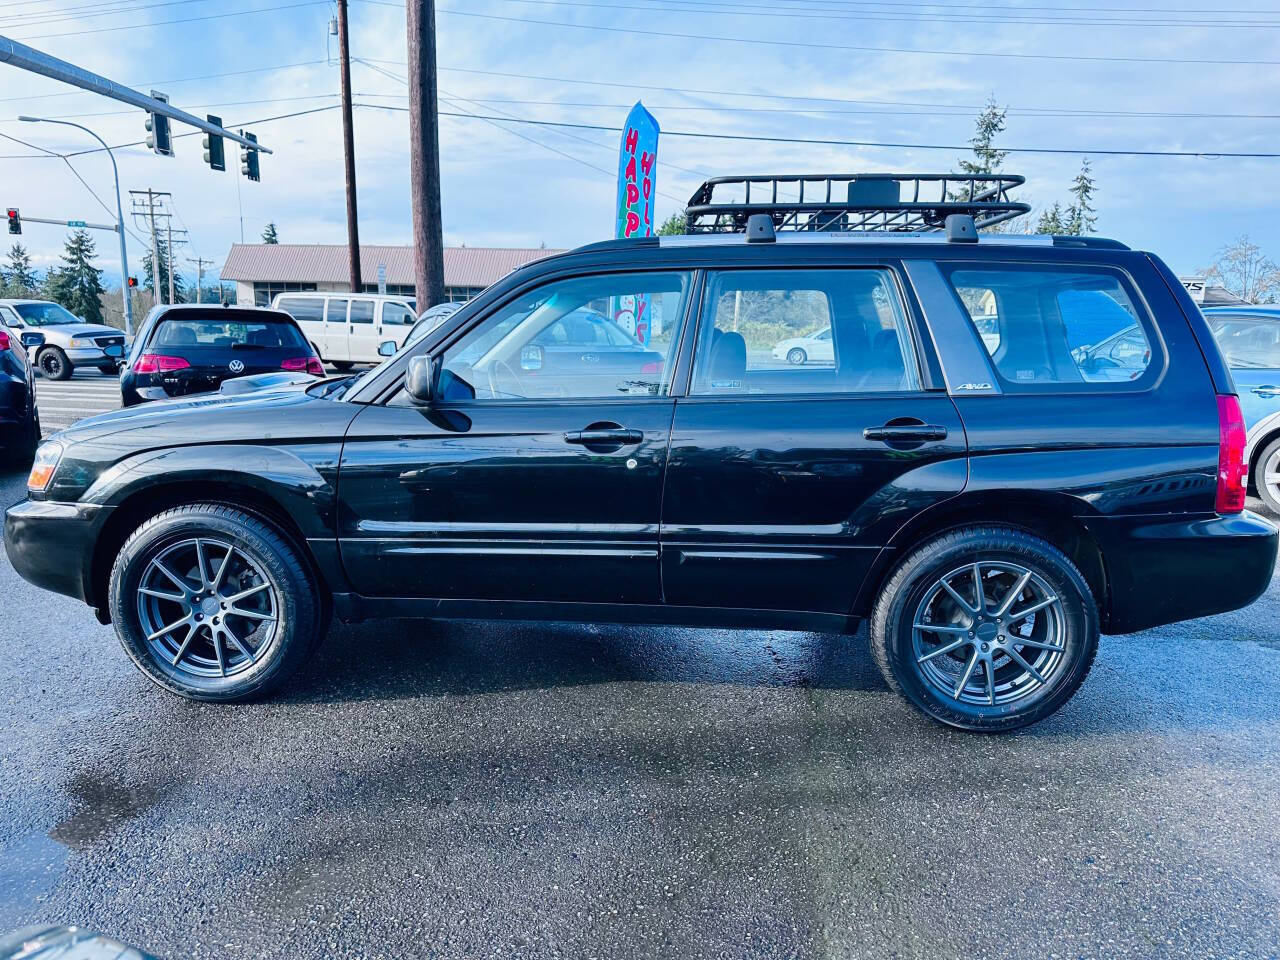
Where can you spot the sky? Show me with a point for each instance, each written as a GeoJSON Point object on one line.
{"type": "Point", "coordinates": [1075, 75]}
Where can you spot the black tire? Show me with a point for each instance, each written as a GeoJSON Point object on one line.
{"type": "Point", "coordinates": [797, 356]}
{"type": "Point", "coordinates": [53, 364]}
{"type": "Point", "coordinates": [109, 370]}
{"type": "Point", "coordinates": [301, 616]}
{"type": "Point", "coordinates": [1265, 494]}
{"type": "Point", "coordinates": [893, 632]}
{"type": "Point", "coordinates": [343, 365]}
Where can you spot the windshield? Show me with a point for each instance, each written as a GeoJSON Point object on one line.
{"type": "Point", "coordinates": [45, 314]}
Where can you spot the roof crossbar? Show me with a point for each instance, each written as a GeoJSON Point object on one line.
{"type": "Point", "coordinates": [854, 202]}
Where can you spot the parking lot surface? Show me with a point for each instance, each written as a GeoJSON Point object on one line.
{"type": "Point", "coordinates": [495, 789]}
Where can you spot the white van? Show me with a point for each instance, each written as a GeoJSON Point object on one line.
{"type": "Point", "coordinates": [346, 328]}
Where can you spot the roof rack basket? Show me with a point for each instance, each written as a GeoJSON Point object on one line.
{"type": "Point", "coordinates": [854, 202]}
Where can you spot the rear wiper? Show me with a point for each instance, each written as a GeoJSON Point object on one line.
{"type": "Point", "coordinates": [247, 346]}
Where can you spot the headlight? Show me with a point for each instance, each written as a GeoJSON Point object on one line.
{"type": "Point", "coordinates": [76, 342]}
{"type": "Point", "coordinates": [46, 462]}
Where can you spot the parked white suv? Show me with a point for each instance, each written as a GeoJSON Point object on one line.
{"type": "Point", "coordinates": [347, 328]}
{"type": "Point", "coordinates": [69, 342]}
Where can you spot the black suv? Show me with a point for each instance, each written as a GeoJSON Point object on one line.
{"type": "Point", "coordinates": [966, 472]}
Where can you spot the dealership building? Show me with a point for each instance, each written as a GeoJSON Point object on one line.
{"type": "Point", "coordinates": [261, 270]}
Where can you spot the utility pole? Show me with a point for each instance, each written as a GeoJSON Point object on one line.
{"type": "Point", "coordinates": [169, 247]}
{"type": "Point", "coordinates": [348, 148]}
{"type": "Point", "coordinates": [148, 211]}
{"type": "Point", "coordinates": [424, 154]}
{"type": "Point", "coordinates": [200, 262]}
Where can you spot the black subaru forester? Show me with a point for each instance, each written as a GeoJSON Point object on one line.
{"type": "Point", "coordinates": [998, 447]}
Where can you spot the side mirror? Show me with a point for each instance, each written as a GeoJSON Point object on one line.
{"type": "Point", "coordinates": [30, 338]}
{"type": "Point", "coordinates": [532, 357]}
{"type": "Point", "coordinates": [387, 348]}
{"type": "Point", "coordinates": [417, 379]}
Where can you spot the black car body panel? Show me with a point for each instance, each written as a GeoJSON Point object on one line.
{"type": "Point", "coordinates": [257, 341]}
{"type": "Point", "coordinates": [17, 396]}
{"type": "Point", "coordinates": [782, 511]}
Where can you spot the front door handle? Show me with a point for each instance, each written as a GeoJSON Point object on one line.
{"type": "Point", "coordinates": [1267, 390]}
{"type": "Point", "coordinates": [906, 433]}
{"type": "Point", "coordinates": [616, 437]}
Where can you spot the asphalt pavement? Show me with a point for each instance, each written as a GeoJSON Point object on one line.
{"type": "Point", "coordinates": [527, 790]}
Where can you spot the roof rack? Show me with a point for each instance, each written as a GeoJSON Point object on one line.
{"type": "Point", "coordinates": [854, 202]}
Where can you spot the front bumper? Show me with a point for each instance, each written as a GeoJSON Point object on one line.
{"type": "Point", "coordinates": [51, 544]}
{"type": "Point", "coordinates": [89, 356]}
{"type": "Point", "coordinates": [1162, 569]}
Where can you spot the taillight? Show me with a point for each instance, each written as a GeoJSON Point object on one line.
{"type": "Point", "coordinates": [311, 365]}
{"type": "Point", "coordinates": [1232, 470]}
{"type": "Point", "coordinates": [158, 363]}
{"type": "Point", "coordinates": [655, 367]}
{"type": "Point", "coordinates": [5, 342]}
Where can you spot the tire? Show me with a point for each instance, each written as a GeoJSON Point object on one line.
{"type": "Point", "coordinates": [265, 652]}
{"type": "Point", "coordinates": [343, 365]}
{"type": "Point", "coordinates": [797, 356]}
{"type": "Point", "coordinates": [109, 371]}
{"type": "Point", "coordinates": [23, 450]}
{"type": "Point", "coordinates": [1065, 634]}
{"type": "Point", "coordinates": [53, 364]}
{"type": "Point", "coordinates": [1268, 493]}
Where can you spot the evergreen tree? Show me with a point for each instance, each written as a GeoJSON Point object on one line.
{"type": "Point", "coordinates": [77, 284]}
{"type": "Point", "coordinates": [17, 279]}
{"type": "Point", "coordinates": [1052, 220]}
{"type": "Point", "coordinates": [1081, 216]}
{"type": "Point", "coordinates": [269, 235]}
{"type": "Point", "coordinates": [179, 289]}
{"type": "Point", "coordinates": [986, 158]}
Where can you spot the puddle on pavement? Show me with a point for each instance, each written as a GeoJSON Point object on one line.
{"type": "Point", "coordinates": [101, 805]}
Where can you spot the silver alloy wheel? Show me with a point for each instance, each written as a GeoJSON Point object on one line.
{"type": "Point", "coordinates": [796, 355]}
{"type": "Point", "coordinates": [206, 608]}
{"type": "Point", "coordinates": [989, 633]}
{"type": "Point", "coordinates": [1271, 475]}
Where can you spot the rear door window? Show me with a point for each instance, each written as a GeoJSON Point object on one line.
{"type": "Point", "coordinates": [803, 332]}
{"type": "Point", "coordinates": [362, 311]}
{"type": "Point", "coordinates": [1051, 328]}
{"type": "Point", "coordinates": [1248, 343]}
{"type": "Point", "coordinates": [302, 308]}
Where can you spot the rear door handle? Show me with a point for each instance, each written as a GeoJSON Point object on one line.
{"type": "Point", "coordinates": [1267, 390]}
{"type": "Point", "coordinates": [910, 433]}
{"type": "Point", "coordinates": [620, 437]}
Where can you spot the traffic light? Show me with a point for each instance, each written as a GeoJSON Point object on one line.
{"type": "Point", "coordinates": [158, 138]}
{"type": "Point", "coordinates": [214, 153]}
{"type": "Point", "coordinates": [249, 158]}
{"type": "Point", "coordinates": [133, 281]}
{"type": "Point", "coordinates": [15, 221]}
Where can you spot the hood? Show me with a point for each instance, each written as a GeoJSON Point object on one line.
{"type": "Point", "coordinates": [204, 414]}
{"type": "Point", "coordinates": [79, 330]}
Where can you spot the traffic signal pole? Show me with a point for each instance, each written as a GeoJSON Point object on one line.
{"type": "Point", "coordinates": [424, 154]}
{"type": "Point", "coordinates": [124, 253]}
{"type": "Point", "coordinates": [348, 148]}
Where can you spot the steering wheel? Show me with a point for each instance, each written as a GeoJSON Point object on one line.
{"type": "Point", "coordinates": [492, 373]}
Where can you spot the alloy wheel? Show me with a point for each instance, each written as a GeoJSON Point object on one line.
{"type": "Point", "coordinates": [1271, 475]}
{"type": "Point", "coordinates": [206, 608]}
{"type": "Point", "coordinates": [989, 633]}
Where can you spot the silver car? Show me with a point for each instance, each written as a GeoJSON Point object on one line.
{"type": "Point", "coordinates": [69, 342]}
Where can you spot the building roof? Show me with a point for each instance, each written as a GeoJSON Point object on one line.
{"type": "Point", "coordinates": [327, 263]}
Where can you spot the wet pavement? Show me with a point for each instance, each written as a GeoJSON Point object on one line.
{"type": "Point", "coordinates": [481, 789]}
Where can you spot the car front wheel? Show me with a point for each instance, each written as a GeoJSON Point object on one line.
{"type": "Point", "coordinates": [985, 629]}
{"type": "Point", "coordinates": [1266, 476]}
{"type": "Point", "coordinates": [214, 604]}
{"type": "Point", "coordinates": [54, 364]}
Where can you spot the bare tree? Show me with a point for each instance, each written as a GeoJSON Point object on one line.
{"type": "Point", "coordinates": [1246, 271]}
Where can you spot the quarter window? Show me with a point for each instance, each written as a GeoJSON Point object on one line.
{"type": "Point", "coordinates": [803, 331]}
{"type": "Point", "coordinates": [589, 337]}
{"type": "Point", "coordinates": [336, 312]}
{"type": "Point", "coordinates": [303, 308]}
{"type": "Point", "coordinates": [1248, 343]}
{"type": "Point", "coordinates": [1046, 326]}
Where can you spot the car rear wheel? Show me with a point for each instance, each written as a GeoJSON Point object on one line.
{"type": "Point", "coordinates": [109, 370]}
{"type": "Point", "coordinates": [985, 629]}
{"type": "Point", "coordinates": [214, 604]}
{"type": "Point", "coordinates": [1266, 476]}
{"type": "Point", "coordinates": [796, 355]}
{"type": "Point", "coordinates": [343, 365]}
{"type": "Point", "coordinates": [54, 364]}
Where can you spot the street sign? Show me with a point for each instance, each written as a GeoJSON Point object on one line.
{"type": "Point", "coordinates": [382, 279]}
{"type": "Point", "coordinates": [1195, 286]}
{"type": "Point", "coordinates": [75, 223]}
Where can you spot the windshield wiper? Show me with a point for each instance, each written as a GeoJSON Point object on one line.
{"type": "Point", "coordinates": [247, 346]}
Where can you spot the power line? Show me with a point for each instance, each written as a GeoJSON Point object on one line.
{"type": "Point", "coordinates": [166, 23]}
{"type": "Point", "coordinates": [850, 48]}
{"type": "Point", "coordinates": [40, 17]}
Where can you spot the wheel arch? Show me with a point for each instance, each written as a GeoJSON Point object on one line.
{"type": "Point", "coordinates": [1052, 517]}
{"type": "Point", "coordinates": [140, 504]}
{"type": "Point", "coordinates": [1259, 439]}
